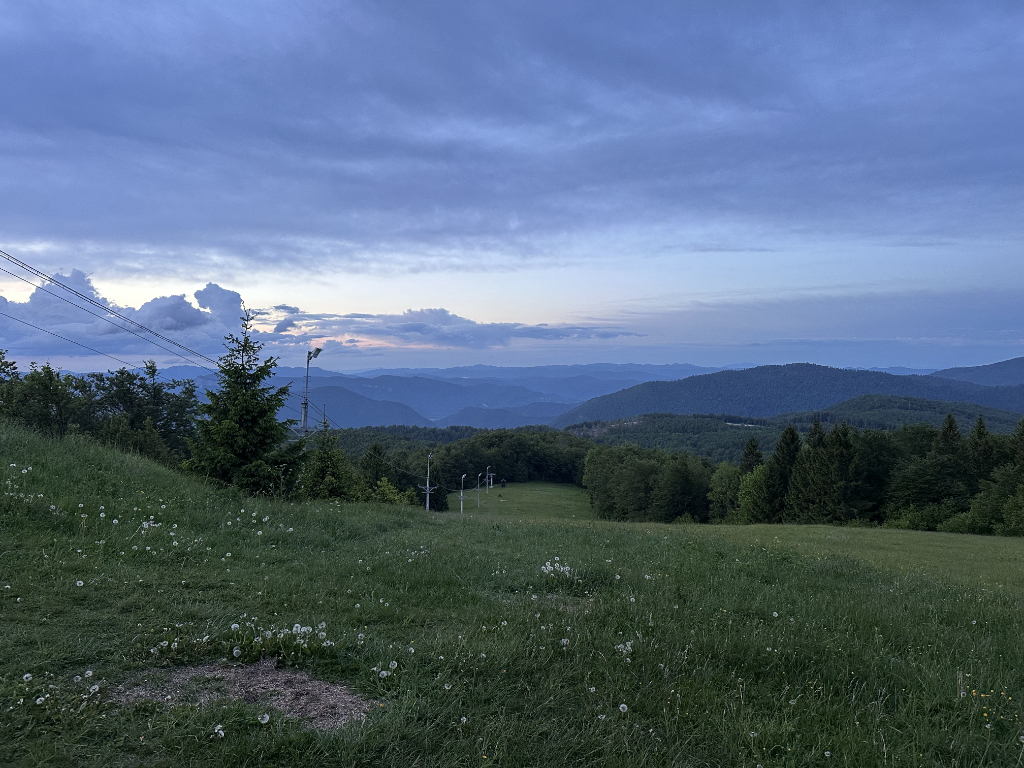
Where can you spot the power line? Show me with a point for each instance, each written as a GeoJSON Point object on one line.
{"type": "Point", "coordinates": [96, 314]}
{"type": "Point", "coordinates": [71, 341]}
{"type": "Point", "coordinates": [42, 275]}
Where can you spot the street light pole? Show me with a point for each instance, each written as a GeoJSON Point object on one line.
{"type": "Point", "coordinates": [462, 492]}
{"type": "Point", "coordinates": [305, 392]}
{"type": "Point", "coordinates": [487, 479]}
{"type": "Point", "coordinates": [478, 490]}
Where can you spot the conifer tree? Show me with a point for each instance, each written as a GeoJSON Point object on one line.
{"type": "Point", "coordinates": [982, 452]}
{"type": "Point", "coordinates": [787, 450]}
{"type": "Point", "coordinates": [239, 440]}
{"type": "Point", "coordinates": [821, 488]}
{"type": "Point", "coordinates": [326, 471]}
{"type": "Point", "coordinates": [949, 443]}
{"type": "Point", "coordinates": [1017, 444]}
{"type": "Point", "coordinates": [751, 458]}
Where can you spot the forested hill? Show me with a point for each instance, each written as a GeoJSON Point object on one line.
{"type": "Point", "coordinates": [771, 390]}
{"type": "Point", "coordinates": [721, 437]}
{"type": "Point", "coordinates": [1005, 373]}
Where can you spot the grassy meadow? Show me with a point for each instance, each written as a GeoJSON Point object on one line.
{"type": "Point", "coordinates": [522, 633]}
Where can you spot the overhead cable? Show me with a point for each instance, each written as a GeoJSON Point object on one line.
{"type": "Point", "coordinates": [100, 305]}
{"type": "Point", "coordinates": [96, 314]}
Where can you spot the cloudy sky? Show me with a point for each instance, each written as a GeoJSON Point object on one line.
{"type": "Point", "coordinates": [518, 183]}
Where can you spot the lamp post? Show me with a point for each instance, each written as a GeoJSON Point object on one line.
{"type": "Point", "coordinates": [462, 491]}
{"type": "Point", "coordinates": [487, 479]}
{"type": "Point", "coordinates": [478, 489]}
{"type": "Point", "coordinates": [310, 355]}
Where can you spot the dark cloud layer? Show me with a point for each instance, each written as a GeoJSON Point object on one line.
{"type": "Point", "coordinates": [372, 136]}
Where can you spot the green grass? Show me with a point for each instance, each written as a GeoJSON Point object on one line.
{"type": "Point", "coordinates": [877, 632]}
{"type": "Point", "coordinates": [527, 502]}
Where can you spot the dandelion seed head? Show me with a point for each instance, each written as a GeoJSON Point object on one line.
{"type": "Point", "coordinates": [264, 718]}
{"type": "Point", "coordinates": [623, 708]}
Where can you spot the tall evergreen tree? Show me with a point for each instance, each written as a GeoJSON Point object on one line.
{"type": "Point", "coordinates": [1017, 443]}
{"type": "Point", "coordinates": [949, 443]}
{"type": "Point", "coordinates": [240, 439]}
{"type": "Point", "coordinates": [816, 435]}
{"type": "Point", "coordinates": [787, 450]}
{"type": "Point", "coordinates": [982, 452]}
{"type": "Point", "coordinates": [821, 489]}
{"type": "Point", "coordinates": [752, 457]}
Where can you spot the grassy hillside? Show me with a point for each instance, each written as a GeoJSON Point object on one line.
{"type": "Point", "coordinates": [662, 646]}
{"type": "Point", "coordinates": [772, 390]}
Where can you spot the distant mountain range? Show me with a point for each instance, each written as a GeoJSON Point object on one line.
{"type": "Point", "coordinates": [772, 390]}
{"type": "Point", "coordinates": [493, 397]}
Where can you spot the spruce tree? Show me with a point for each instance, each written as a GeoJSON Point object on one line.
{"type": "Point", "coordinates": [1017, 443]}
{"type": "Point", "coordinates": [821, 488]}
{"type": "Point", "coordinates": [949, 443]}
{"type": "Point", "coordinates": [238, 441]}
{"type": "Point", "coordinates": [751, 458]}
{"type": "Point", "coordinates": [982, 452]}
{"type": "Point", "coordinates": [787, 450]}
{"type": "Point", "coordinates": [327, 472]}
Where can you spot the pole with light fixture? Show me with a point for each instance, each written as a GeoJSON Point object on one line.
{"type": "Point", "coordinates": [305, 394]}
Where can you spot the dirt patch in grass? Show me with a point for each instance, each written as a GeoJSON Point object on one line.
{"type": "Point", "coordinates": [323, 706]}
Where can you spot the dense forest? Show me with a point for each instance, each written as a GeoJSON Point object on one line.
{"type": "Point", "coordinates": [721, 437]}
{"type": "Point", "coordinates": [915, 477]}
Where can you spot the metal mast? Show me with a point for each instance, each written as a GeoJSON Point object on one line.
{"type": "Point", "coordinates": [305, 392]}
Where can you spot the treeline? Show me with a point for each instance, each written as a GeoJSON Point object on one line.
{"type": "Point", "coordinates": [138, 412]}
{"type": "Point", "coordinates": [356, 441]}
{"type": "Point", "coordinates": [915, 477]}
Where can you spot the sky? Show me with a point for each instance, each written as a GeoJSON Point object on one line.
{"type": "Point", "coordinates": [449, 183]}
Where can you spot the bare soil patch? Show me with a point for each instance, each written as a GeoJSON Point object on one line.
{"type": "Point", "coordinates": [321, 705]}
